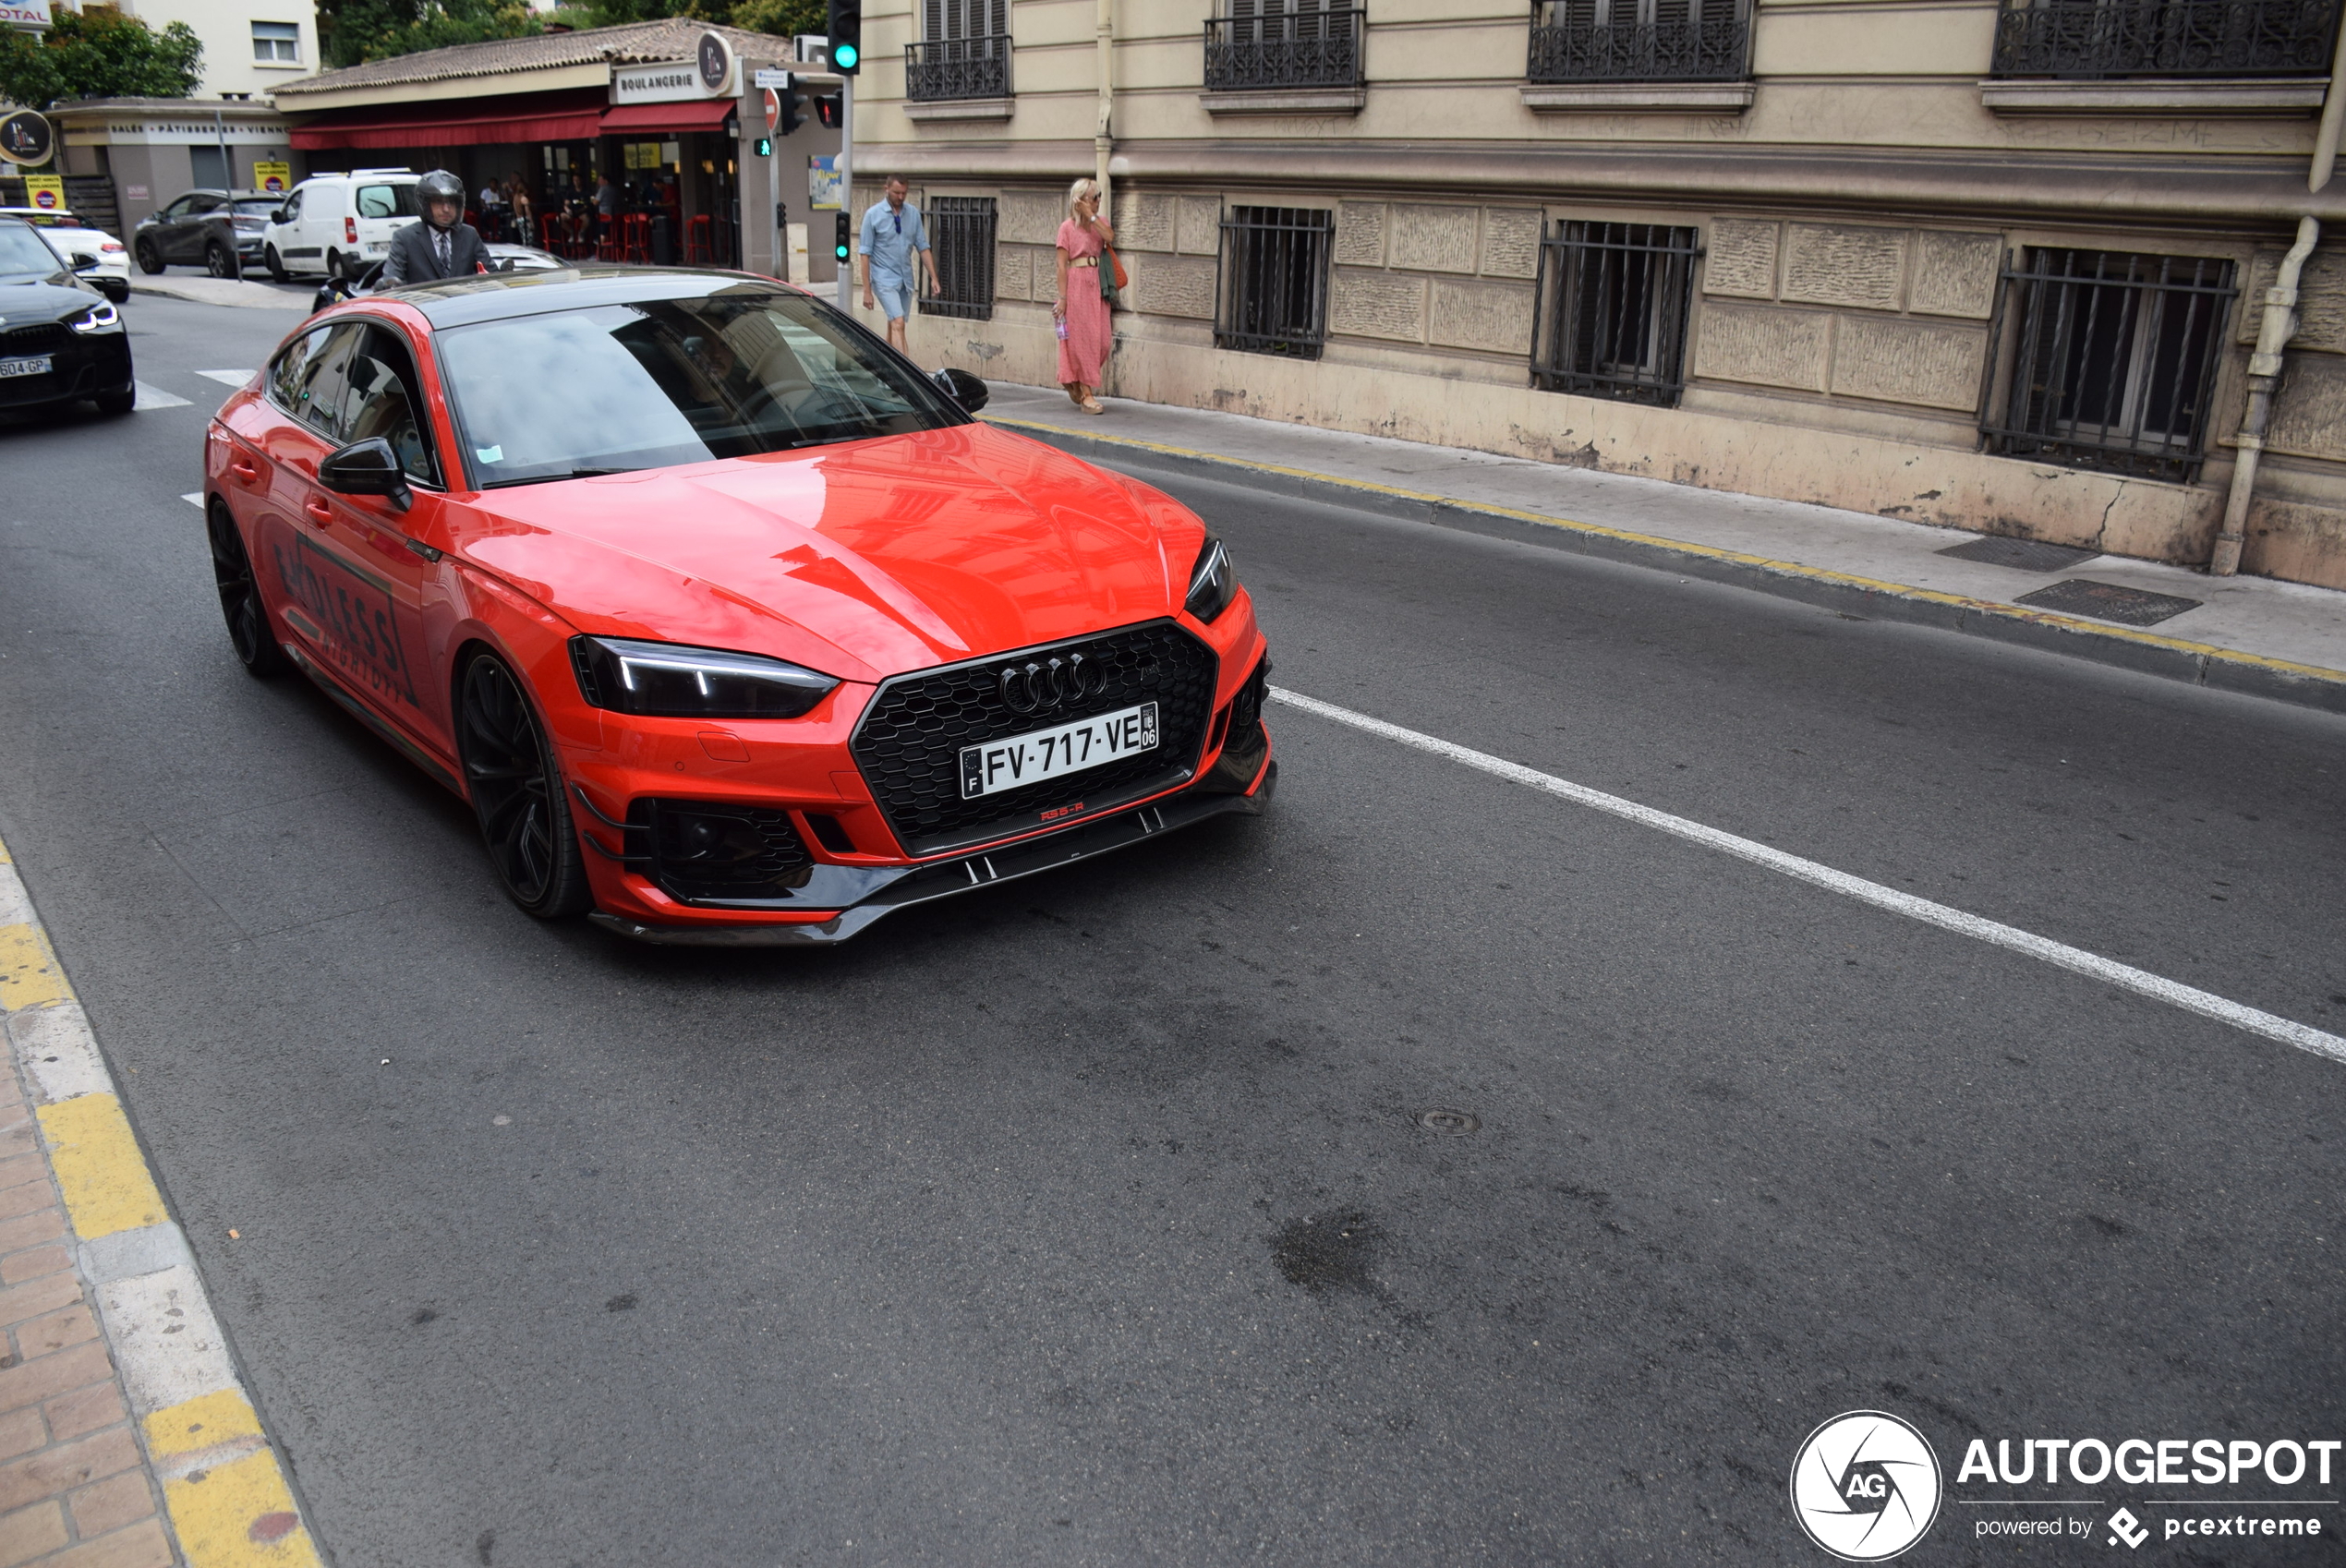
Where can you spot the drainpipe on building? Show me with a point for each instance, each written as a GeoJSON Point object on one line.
{"type": "Point", "coordinates": [1104, 27]}
{"type": "Point", "coordinates": [2264, 369]}
{"type": "Point", "coordinates": [2279, 326]}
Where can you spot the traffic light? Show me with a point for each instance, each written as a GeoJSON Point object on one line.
{"type": "Point", "coordinates": [765, 147]}
{"type": "Point", "coordinates": [840, 237]}
{"type": "Point", "coordinates": [829, 112]}
{"type": "Point", "coordinates": [847, 36]}
{"type": "Point", "coordinates": [792, 102]}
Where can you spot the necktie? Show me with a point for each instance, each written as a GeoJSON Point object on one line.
{"type": "Point", "coordinates": [439, 247]}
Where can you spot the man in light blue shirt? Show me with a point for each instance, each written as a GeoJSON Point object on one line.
{"type": "Point", "coordinates": [893, 236]}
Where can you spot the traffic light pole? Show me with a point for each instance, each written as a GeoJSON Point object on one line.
{"type": "Point", "coordinates": [774, 195]}
{"type": "Point", "coordinates": [847, 187]}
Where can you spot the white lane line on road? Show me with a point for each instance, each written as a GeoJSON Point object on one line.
{"type": "Point", "coordinates": [2141, 981]}
{"type": "Point", "coordinates": [193, 497]}
{"type": "Point", "coordinates": [155, 397]}
{"type": "Point", "coordinates": [226, 378]}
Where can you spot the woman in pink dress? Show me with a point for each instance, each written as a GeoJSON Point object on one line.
{"type": "Point", "coordinates": [1081, 313]}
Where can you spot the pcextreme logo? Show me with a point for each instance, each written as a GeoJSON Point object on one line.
{"type": "Point", "coordinates": [1865, 1485]}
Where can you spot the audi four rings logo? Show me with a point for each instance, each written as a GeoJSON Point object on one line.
{"type": "Point", "coordinates": [1039, 684]}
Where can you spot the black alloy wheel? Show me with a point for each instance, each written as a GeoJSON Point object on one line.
{"type": "Point", "coordinates": [219, 260]}
{"type": "Point", "coordinates": [150, 259]}
{"type": "Point", "coordinates": [517, 793]}
{"type": "Point", "coordinates": [240, 601]}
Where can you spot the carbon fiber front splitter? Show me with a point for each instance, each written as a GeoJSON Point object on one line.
{"type": "Point", "coordinates": [920, 884]}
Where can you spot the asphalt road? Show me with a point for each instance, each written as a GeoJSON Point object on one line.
{"type": "Point", "coordinates": [1090, 1219]}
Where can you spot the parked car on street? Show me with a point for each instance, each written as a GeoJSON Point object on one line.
{"type": "Point", "coordinates": [338, 224]}
{"type": "Point", "coordinates": [61, 339]}
{"type": "Point", "coordinates": [732, 624]}
{"type": "Point", "coordinates": [72, 239]}
{"type": "Point", "coordinates": [217, 230]}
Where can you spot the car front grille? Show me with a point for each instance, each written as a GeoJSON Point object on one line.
{"type": "Point", "coordinates": [719, 852]}
{"type": "Point", "coordinates": [36, 340]}
{"type": "Point", "coordinates": [909, 742]}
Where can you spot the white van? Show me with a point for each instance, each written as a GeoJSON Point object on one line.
{"type": "Point", "coordinates": [338, 223]}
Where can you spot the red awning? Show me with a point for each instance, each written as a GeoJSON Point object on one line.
{"type": "Point", "coordinates": [563, 118]}
{"type": "Point", "coordinates": [700, 115]}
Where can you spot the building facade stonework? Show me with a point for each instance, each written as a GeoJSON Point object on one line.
{"type": "Point", "coordinates": [1957, 261]}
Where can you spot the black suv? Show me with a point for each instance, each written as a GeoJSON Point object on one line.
{"type": "Point", "coordinates": [219, 231]}
{"type": "Point", "coordinates": [60, 339]}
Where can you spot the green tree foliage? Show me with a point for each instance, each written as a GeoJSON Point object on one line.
{"type": "Point", "coordinates": [353, 32]}
{"type": "Point", "coordinates": [101, 53]}
{"type": "Point", "coordinates": [784, 19]}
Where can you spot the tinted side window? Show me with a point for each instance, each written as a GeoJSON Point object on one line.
{"type": "Point", "coordinates": [382, 399]}
{"type": "Point", "coordinates": [293, 208]}
{"type": "Point", "coordinates": [286, 375]}
{"type": "Point", "coordinates": [204, 204]}
{"type": "Point", "coordinates": [176, 210]}
{"type": "Point", "coordinates": [308, 382]}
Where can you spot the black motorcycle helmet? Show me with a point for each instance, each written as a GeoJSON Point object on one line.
{"type": "Point", "coordinates": [440, 186]}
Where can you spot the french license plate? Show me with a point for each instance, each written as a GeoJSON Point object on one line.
{"type": "Point", "coordinates": [36, 365]}
{"type": "Point", "coordinates": [1019, 760]}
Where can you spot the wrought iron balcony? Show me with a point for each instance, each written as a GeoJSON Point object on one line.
{"type": "Point", "coordinates": [1288, 49]}
{"type": "Point", "coordinates": [1646, 40]}
{"type": "Point", "coordinates": [947, 68]}
{"type": "Point", "coordinates": [2095, 39]}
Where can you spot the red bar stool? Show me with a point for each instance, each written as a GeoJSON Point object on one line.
{"type": "Point", "coordinates": [697, 251]}
{"type": "Point", "coordinates": [636, 243]}
{"type": "Point", "coordinates": [551, 236]}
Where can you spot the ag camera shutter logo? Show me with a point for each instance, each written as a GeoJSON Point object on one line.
{"type": "Point", "coordinates": [1866, 1486]}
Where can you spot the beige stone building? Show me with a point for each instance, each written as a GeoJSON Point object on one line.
{"type": "Point", "coordinates": [1985, 263]}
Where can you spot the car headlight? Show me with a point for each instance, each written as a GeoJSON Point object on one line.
{"type": "Point", "coordinates": [666, 681]}
{"type": "Point", "coordinates": [97, 319]}
{"type": "Point", "coordinates": [1214, 582]}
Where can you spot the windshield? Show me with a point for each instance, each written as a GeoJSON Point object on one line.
{"type": "Point", "coordinates": [22, 251]}
{"type": "Point", "coordinates": [614, 388]}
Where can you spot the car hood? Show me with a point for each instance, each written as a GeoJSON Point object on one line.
{"type": "Point", "coordinates": [864, 560]}
{"type": "Point", "coordinates": [26, 298]}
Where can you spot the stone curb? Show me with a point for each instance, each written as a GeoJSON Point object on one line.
{"type": "Point", "coordinates": [2198, 663]}
{"type": "Point", "coordinates": [151, 1355]}
{"type": "Point", "coordinates": [218, 291]}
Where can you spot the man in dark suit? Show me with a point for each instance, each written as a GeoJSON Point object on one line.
{"type": "Point", "coordinates": [444, 245]}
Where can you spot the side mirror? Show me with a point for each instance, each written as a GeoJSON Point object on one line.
{"type": "Point", "coordinates": [277, 215]}
{"type": "Point", "coordinates": [962, 387]}
{"type": "Point", "coordinates": [367, 468]}
{"type": "Point", "coordinates": [84, 262]}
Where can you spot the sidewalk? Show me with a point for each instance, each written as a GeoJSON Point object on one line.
{"type": "Point", "coordinates": [127, 1440]}
{"type": "Point", "coordinates": [2275, 639]}
{"type": "Point", "coordinates": [223, 291]}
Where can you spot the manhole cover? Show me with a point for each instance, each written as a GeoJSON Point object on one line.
{"type": "Point", "coordinates": [2029, 555]}
{"type": "Point", "coordinates": [2108, 601]}
{"type": "Point", "coordinates": [1457, 1123]}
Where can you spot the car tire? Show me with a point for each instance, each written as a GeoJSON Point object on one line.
{"type": "Point", "coordinates": [334, 272]}
{"type": "Point", "coordinates": [517, 792]}
{"type": "Point", "coordinates": [219, 260]}
{"type": "Point", "coordinates": [240, 601]}
{"type": "Point", "coordinates": [150, 259]}
{"type": "Point", "coordinates": [276, 265]}
{"type": "Point", "coordinates": [120, 401]}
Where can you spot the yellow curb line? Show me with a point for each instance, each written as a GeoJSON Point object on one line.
{"type": "Point", "coordinates": [229, 1502]}
{"type": "Point", "coordinates": [1713, 552]}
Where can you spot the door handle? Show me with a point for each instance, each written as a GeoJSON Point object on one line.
{"type": "Point", "coordinates": [319, 512]}
{"type": "Point", "coordinates": [244, 471]}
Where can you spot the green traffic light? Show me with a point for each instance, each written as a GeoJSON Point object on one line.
{"type": "Point", "coordinates": [839, 251]}
{"type": "Point", "coordinates": [845, 57]}
{"type": "Point", "coordinates": [765, 147]}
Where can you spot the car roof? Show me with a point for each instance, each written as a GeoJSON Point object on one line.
{"type": "Point", "coordinates": [494, 296]}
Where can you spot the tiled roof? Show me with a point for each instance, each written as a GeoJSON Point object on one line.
{"type": "Point", "coordinates": [670, 38]}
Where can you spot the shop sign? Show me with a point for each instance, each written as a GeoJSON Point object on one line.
{"type": "Point", "coordinates": [674, 82]}
{"type": "Point", "coordinates": [27, 138]}
{"type": "Point", "coordinates": [45, 191]}
{"type": "Point", "coordinates": [275, 178]}
{"type": "Point", "coordinates": [24, 13]}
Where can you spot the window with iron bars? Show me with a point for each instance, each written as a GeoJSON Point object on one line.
{"type": "Point", "coordinates": [2090, 39]}
{"type": "Point", "coordinates": [1643, 41]}
{"type": "Point", "coordinates": [2111, 360]}
{"type": "Point", "coordinates": [1611, 321]}
{"type": "Point", "coordinates": [1273, 293]}
{"type": "Point", "coordinates": [960, 234]}
{"type": "Point", "coordinates": [965, 51]}
{"type": "Point", "coordinates": [1259, 45]}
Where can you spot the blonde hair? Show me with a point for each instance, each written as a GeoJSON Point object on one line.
{"type": "Point", "coordinates": [1085, 186]}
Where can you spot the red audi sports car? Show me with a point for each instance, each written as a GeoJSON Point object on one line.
{"type": "Point", "coordinates": [732, 626]}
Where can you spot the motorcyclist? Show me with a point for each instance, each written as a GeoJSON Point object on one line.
{"type": "Point", "coordinates": [444, 245]}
